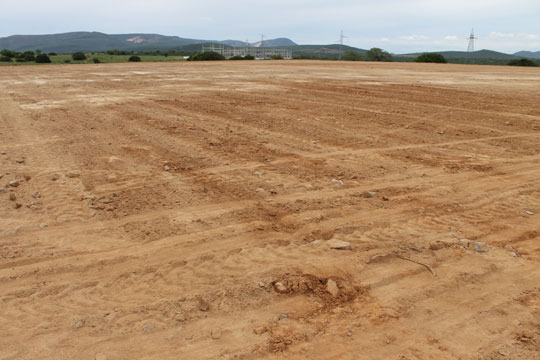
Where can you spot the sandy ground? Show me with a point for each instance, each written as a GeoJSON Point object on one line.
{"type": "Point", "coordinates": [184, 211]}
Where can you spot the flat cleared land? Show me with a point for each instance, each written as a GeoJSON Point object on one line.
{"type": "Point", "coordinates": [160, 203]}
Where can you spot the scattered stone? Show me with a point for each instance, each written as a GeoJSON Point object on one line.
{"type": "Point", "coordinates": [36, 195]}
{"type": "Point", "coordinates": [480, 247]}
{"type": "Point", "coordinates": [73, 174]}
{"type": "Point", "coordinates": [509, 247]}
{"type": "Point", "coordinates": [216, 333]}
{"type": "Point", "coordinates": [528, 212]}
{"type": "Point", "coordinates": [369, 194]}
{"type": "Point", "coordinates": [181, 299]}
{"type": "Point", "coordinates": [12, 197]}
{"type": "Point", "coordinates": [339, 244]}
{"type": "Point", "coordinates": [149, 328]}
{"type": "Point", "coordinates": [203, 305]}
{"type": "Point", "coordinates": [514, 254]}
{"type": "Point", "coordinates": [14, 183]}
{"type": "Point", "coordinates": [17, 205]}
{"type": "Point", "coordinates": [3, 190]}
{"type": "Point", "coordinates": [283, 316]}
{"type": "Point", "coordinates": [280, 288]}
{"type": "Point", "coordinates": [43, 225]}
{"type": "Point", "coordinates": [79, 324]}
{"type": "Point", "coordinates": [508, 123]}
{"type": "Point", "coordinates": [442, 132]}
{"type": "Point", "coordinates": [180, 317]}
{"type": "Point", "coordinates": [385, 198]}
{"type": "Point", "coordinates": [337, 181]}
{"type": "Point", "coordinates": [349, 333]}
{"type": "Point", "coordinates": [54, 177]}
{"type": "Point", "coordinates": [260, 330]}
{"type": "Point", "coordinates": [27, 177]}
{"type": "Point", "coordinates": [332, 288]}
{"type": "Point", "coordinates": [19, 161]}
{"type": "Point", "coordinates": [166, 168]}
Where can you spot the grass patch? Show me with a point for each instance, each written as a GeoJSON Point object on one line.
{"type": "Point", "coordinates": [102, 57]}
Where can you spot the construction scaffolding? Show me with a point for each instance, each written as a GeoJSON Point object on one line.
{"type": "Point", "coordinates": [257, 52]}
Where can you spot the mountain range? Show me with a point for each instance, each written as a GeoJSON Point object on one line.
{"type": "Point", "coordinates": [99, 42]}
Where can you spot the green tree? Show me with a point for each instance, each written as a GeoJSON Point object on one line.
{"type": "Point", "coordinates": [134, 58]}
{"type": "Point", "coordinates": [351, 56]}
{"type": "Point", "coordinates": [4, 58]}
{"type": "Point", "coordinates": [8, 53]}
{"type": "Point", "coordinates": [376, 54]}
{"type": "Point", "coordinates": [78, 56]}
{"type": "Point", "coordinates": [43, 59]}
{"type": "Point", "coordinates": [431, 58]}
{"type": "Point", "coordinates": [206, 56]}
{"type": "Point", "coordinates": [522, 62]}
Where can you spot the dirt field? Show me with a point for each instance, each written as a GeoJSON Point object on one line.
{"type": "Point", "coordinates": [184, 211]}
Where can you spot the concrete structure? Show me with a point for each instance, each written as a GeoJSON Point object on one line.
{"type": "Point", "coordinates": [257, 52]}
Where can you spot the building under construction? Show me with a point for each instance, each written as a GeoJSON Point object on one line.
{"type": "Point", "coordinates": [257, 52]}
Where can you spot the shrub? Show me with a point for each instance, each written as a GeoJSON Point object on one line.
{"type": "Point", "coordinates": [52, 54]}
{"type": "Point", "coordinates": [249, 57]}
{"type": "Point", "coordinates": [522, 62]}
{"type": "Point", "coordinates": [351, 56]}
{"type": "Point", "coordinates": [134, 58]}
{"type": "Point", "coordinates": [96, 60]}
{"type": "Point", "coordinates": [29, 56]}
{"type": "Point", "coordinates": [4, 58]}
{"type": "Point", "coordinates": [237, 57]}
{"type": "Point", "coordinates": [43, 59]}
{"type": "Point", "coordinates": [376, 54]}
{"type": "Point", "coordinates": [67, 61]}
{"type": "Point", "coordinates": [8, 53]}
{"type": "Point", "coordinates": [78, 56]}
{"type": "Point", "coordinates": [431, 58]}
{"type": "Point", "coordinates": [206, 56]}
{"type": "Point", "coordinates": [276, 57]}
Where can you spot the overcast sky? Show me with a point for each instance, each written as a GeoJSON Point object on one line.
{"type": "Point", "coordinates": [395, 25]}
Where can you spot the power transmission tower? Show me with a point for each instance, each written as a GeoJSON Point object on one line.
{"type": "Point", "coordinates": [470, 48]}
{"type": "Point", "coordinates": [341, 37]}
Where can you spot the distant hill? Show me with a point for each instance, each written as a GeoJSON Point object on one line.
{"type": "Point", "coordinates": [528, 54]}
{"type": "Point", "coordinates": [96, 41]}
{"type": "Point", "coordinates": [481, 54]}
{"type": "Point", "coordinates": [280, 42]}
{"type": "Point", "coordinates": [333, 51]}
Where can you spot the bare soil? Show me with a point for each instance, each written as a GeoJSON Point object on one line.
{"type": "Point", "coordinates": [147, 211]}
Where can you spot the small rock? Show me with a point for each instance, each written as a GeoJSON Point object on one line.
{"type": "Point", "coordinates": [181, 299]}
{"type": "Point", "coordinates": [332, 288]}
{"type": "Point", "coordinates": [283, 316]}
{"type": "Point", "coordinates": [73, 174]}
{"type": "Point", "coordinates": [19, 161]}
{"type": "Point", "coordinates": [149, 328]}
{"type": "Point", "coordinates": [17, 205]}
{"type": "Point", "coordinates": [349, 333]}
{"type": "Point", "coordinates": [79, 324]}
{"type": "Point", "coordinates": [385, 198]}
{"type": "Point", "coordinates": [528, 212]}
{"type": "Point", "coordinates": [508, 123]}
{"type": "Point", "coordinates": [369, 194]}
{"type": "Point", "coordinates": [12, 197]}
{"type": "Point", "coordinates": [339, 245]}
{"type": "Point", "coordinates": [43, 225]}
{"type": "Point", "coordinates": [442, 132]}
{"type": "Point", "coordinates": [36, 195]}
{"type": "Point", "coordinates": [280, 288]}
{"type": "Point", "coordinates": [166, 168]}
{"type": "Point", "coordinates": [514, 254]}
{"type": "Point", "coordinates": [337, 181]}
{"type": "Point", "coordinates": [180, 317]}
{"type": "Point", "coordinates": [508, 247]}
{"type": "Point", "coordinates": [216, 333]}
{"type": "Point", "coordinates": [480, 247]}
{"type": "Point", "coordinates": [203, 305]}
{"type": "Point", "coordinates": [54, 177]}
{"type": "Point", "coordinates": [260, 330]}
{"type": "Point", "coordinates": [14, 183]}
